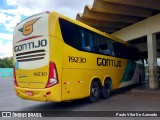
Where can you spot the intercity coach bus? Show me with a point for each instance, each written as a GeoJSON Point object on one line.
{"type": "Point", "coordinates": [60, 59]}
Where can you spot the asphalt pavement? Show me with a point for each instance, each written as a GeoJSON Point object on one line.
{"type": "Point", "coordinates": [119, 101]}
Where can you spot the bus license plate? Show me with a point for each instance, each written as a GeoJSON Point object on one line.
{"type": "Point", "coordinates": [29, 93]}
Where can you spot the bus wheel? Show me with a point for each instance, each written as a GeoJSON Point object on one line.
{"type": "Point", "coordinates": [106, 89]}
{"type": "Point", "coordinates": [94, 92]}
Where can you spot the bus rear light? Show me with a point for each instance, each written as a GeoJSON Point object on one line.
{"type": "Point", "coordinates": [15, 81]}
{"type": "Point", "coordinates": [48, 93]}
{"type": "Point", "coordinates": [53, 76]}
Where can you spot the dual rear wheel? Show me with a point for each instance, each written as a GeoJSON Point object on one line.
{"type": "Point", "coordinates": [106, 90]}
{"type": "Point", "coordinates": [96, 90]}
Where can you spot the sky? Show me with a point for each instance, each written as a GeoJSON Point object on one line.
{"type": "Point", "coordinates": [14, 11]}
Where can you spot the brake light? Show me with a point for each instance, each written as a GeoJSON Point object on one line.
{"type": "Point", "coordinates": [15, 81]}
{"type": "Point", "coordinates": [53, 76]}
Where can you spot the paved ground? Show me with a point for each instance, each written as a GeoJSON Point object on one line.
{"type": "Point", "coordinates": [119, 101]}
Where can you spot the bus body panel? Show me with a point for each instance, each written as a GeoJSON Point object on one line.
{"type": "Point", "coordinates": [27, 79]}
{"type": "Point", "coordinates": [78, 74]}
{"type": "Point", "coordinates": [76, 69]}
{"type": "Point", "coordinates": [31, 52]}
{"type": "Point", "coordinates": [44, 95]}
{"type": "Point", "coordinates": [33, 75]}
{"type": "Point", "coordinates": [56, 47]}
{"type": "Point", "coordinates": [136, 74]}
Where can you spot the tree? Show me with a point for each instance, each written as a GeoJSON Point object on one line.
{"type": "Point", "coordinates": [6, 62]}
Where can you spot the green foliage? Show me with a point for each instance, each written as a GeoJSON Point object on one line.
{"type": "Point", "coordinates": [6, 62]}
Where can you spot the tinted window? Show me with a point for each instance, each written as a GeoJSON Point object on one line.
{"type": "Point", "coordinates": [112, 47]}
{"type": "Point", "coordinates": [95, 47]}
{"type": "Point", "coordinates": [123, 51]}
{"type": "Point", "coordinates": [116, 47]}
{"type": "Point", "coordinates": [134, 54]}
{"type": "Point", "coordinates": [89, 41]}
{"type": "Point", "coordinates": [104, 45]}
{"type": "Point", "coordinates": [70, 34]}
{"type": "Point", "coordinates": [86, 40]}
{"type": "Point", "coordinates": [83, 39]}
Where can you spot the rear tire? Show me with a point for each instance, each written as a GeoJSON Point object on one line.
{"type": "Point", "coordinates": [106, 89]}
{"type": "Point", "coordinates": [94, 92]}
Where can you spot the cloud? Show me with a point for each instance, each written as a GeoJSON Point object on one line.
{"type": "Point", "coordinates": [5, 36]}
{"type": "Point", "coordinates": [5, 49]}
{"type": "Point", "coordinates": [20, 10]}
{"type": "Point", "coordinates": [3, 18]}
{"type": "Point", "coordinates": [5, 45]}
{"type": "Point", "coordinates": [50, 4]}
{"type": "Point", "coordinates": [16, 10]}
{"type": "Point", "coordinates": [30, 7]}
{"type": "Point", "coordinates": [10, 17]}
{"type": "Point", "coordinates": [9, 22]}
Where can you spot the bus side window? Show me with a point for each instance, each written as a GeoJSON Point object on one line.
{"type": "Point", "coordinates": [116, 48]}
{"type": "Point", "coordinates": [89, 41]}
{"type": "Point", "coordinates": [70, 33]}
{"type": "Point", "coordinates": [94, 43]}
{"type": "Point", "coordinates": [134, 54]}
{"type": "Point", "coordinates": [111, 42]}
{"type": "Point", "coordinates": [85, 41]}
{"type": "Point", "coordinates": [91, 38]}
{"type": "Point", "coordinates": [104, 45]}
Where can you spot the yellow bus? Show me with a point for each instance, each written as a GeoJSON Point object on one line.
{"type": "Point", "coordinates": [60, 59]}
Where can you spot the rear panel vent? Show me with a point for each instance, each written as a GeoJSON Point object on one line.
{"type": "Point", "coordinates": [30, 56]}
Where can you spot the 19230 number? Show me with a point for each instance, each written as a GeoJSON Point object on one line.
{"type": "Point", "coordinates": [77, 59]}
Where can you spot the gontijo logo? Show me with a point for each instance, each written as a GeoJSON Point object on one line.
{"type": "Point", "coordinates": [31, 45]}
{"type": "Point", "coordinates": [28, 27]}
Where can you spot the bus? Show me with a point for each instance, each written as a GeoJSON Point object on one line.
{"type": "Point", "coordinates": [59, 59]}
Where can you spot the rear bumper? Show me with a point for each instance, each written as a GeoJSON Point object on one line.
{"type": "Point", "coordinates": [43, 95]}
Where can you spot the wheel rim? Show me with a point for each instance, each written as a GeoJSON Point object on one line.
{"type": "Point", "coordinates": [107, 89]}
{"type": "Point", "coordinates": [94, 91]}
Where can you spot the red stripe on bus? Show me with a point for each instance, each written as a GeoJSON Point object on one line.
{"type": "Point", "coordinates": [28, 38]}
